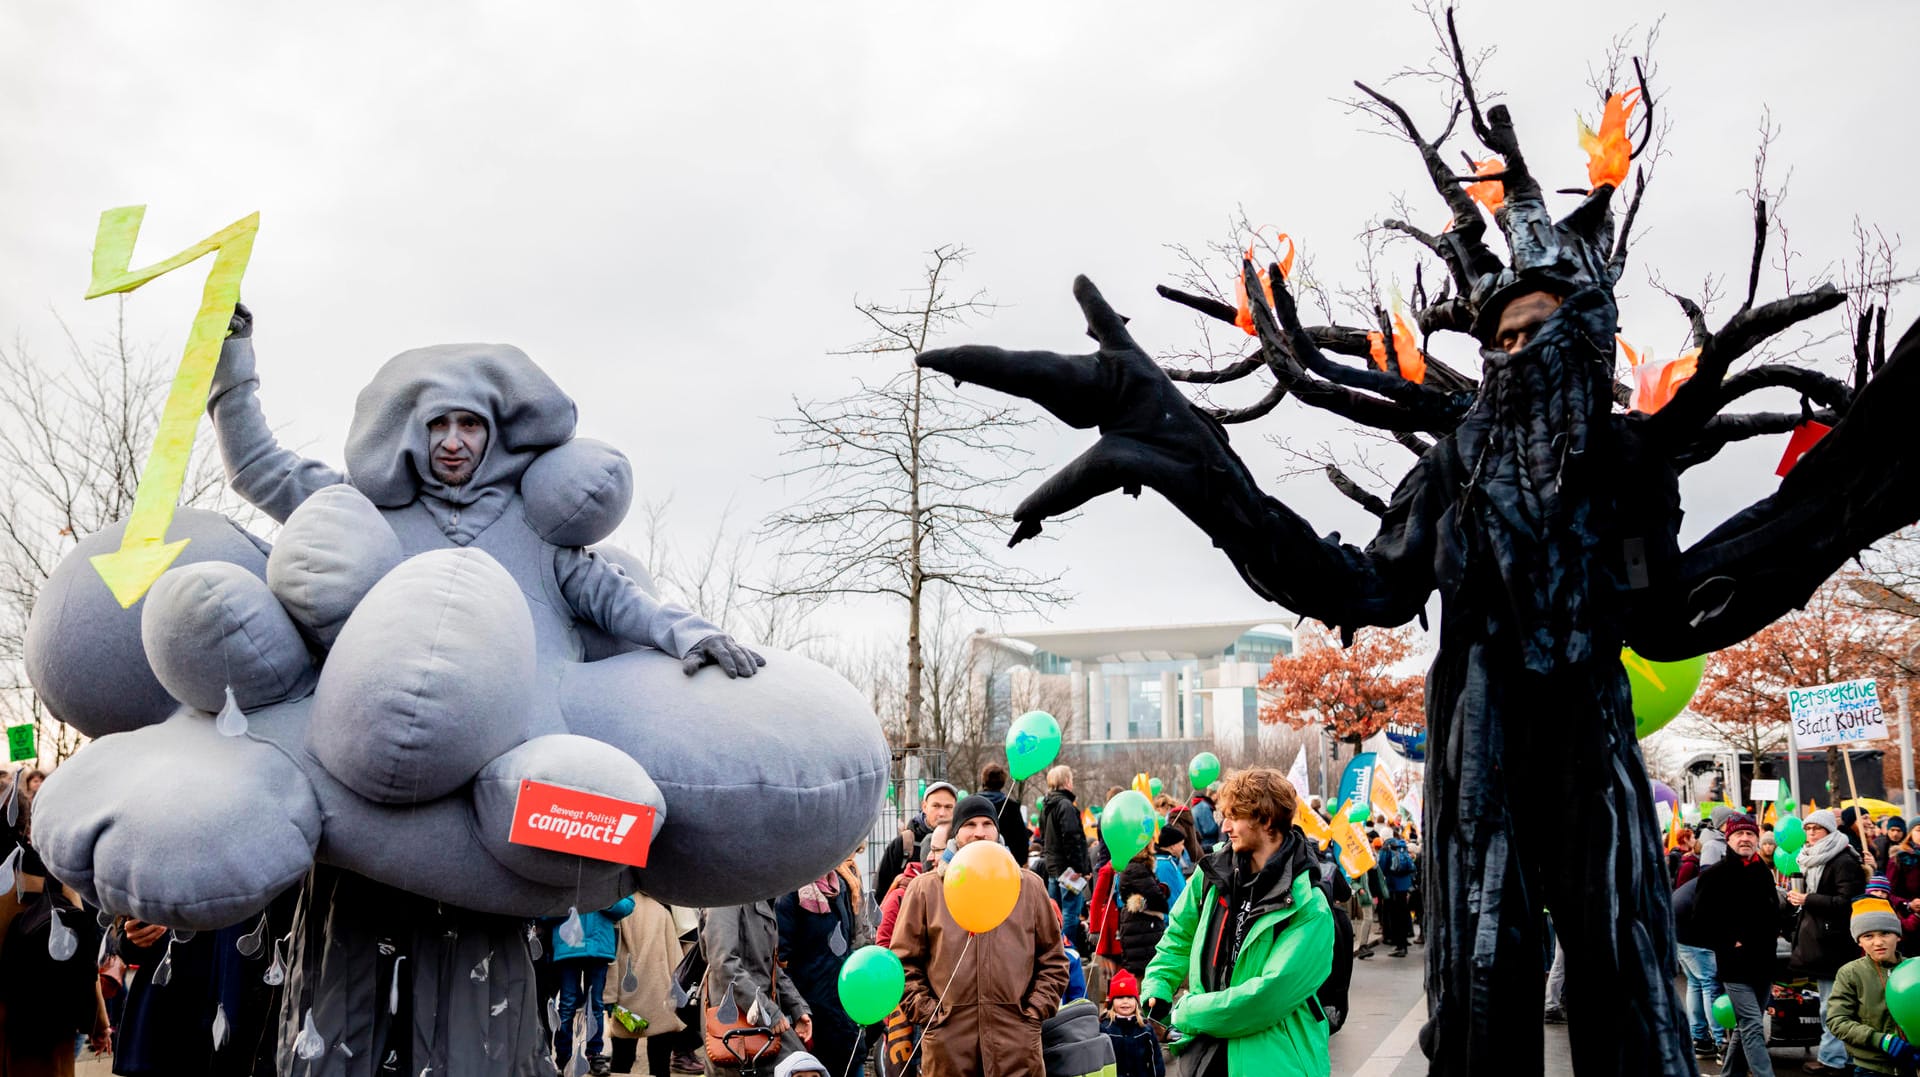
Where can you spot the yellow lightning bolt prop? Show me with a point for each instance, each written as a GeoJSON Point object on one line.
{"type": "Point", "coordinates": [1643, 667]}
{"type": "Point", "coordinates": [144, 551]}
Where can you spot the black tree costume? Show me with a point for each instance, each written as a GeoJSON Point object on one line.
{"type": "Point", "coordinates": [1547, 521]}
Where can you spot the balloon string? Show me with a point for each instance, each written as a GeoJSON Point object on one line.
{"type": "Point", "coordinates": [858, 1035]}
{"type": "Point", "coordinates": [908, 1064]}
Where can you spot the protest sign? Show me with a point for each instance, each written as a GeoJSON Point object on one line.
{"type": "Point", "coordinates": [1846, 712]}
{"type": "Point", "coordinates": [1763, 789]}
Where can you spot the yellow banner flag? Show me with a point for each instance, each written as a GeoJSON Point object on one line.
{"type": "Point", "coordinates": [1310, 824]}
{"type": "Point", "coordinates": [1385, 803]}
{"type": "Point", "coordinates": [1356, 856]}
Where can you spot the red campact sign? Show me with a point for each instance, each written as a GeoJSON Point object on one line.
{"type": "Point", "coordinates": [584, 824]}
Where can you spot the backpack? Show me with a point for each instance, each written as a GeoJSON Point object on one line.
{"type": "Point", "coordinates": [1399, 861]}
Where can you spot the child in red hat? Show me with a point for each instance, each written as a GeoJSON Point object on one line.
{"type": "Point", "coordinates": [1136, 1050]}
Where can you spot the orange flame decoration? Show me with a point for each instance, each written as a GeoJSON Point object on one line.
{"type": "Point", "coordinates": [1243, 316]}
{"type": "Point", "coordinates": [1610, 153]}
{"type": "Point", "coordinates": [1413, 362]}
{"type": "Point", "coordinates": [1656, 380]}
{"type": "Point", "coordinates": [1490, 193]}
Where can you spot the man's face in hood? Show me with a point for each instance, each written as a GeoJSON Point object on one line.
{"type": "Point", "coordinates": [456, 442]}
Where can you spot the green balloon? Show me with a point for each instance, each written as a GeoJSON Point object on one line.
{"type": "Point", "coordinates": [1723, 1014]}
{"type": "Point", "coordinates": [1154, 787]}
{"type": "Point", "coordinates": [1661, 690]}
{"type": "Point", "coordinates": [1790, 834]}
{"type": "Point", "coordinates": [1203, 771]}
{"type": "Point", "coordinates": [1784, 863]}
{"type": "Point", "coordinates": [1359, 813]}
{"type": "Point", "coordinates": [871, 983]}
{"type": "Point", "coordinates": [1785, 806]}
{"type": "Point", "coordinates": [1903, 996]}
{"type": "Point", "coordinates": [1033, 743]}
{"type": "Point", "coordinates": [1127, 826]}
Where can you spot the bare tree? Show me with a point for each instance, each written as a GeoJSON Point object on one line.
{"type": "Point", "coordinates": [901, 479]}
{"type": "Point", "coordinates": [717, 577]}
{"type": "Point", "coordinates": [74, 435]}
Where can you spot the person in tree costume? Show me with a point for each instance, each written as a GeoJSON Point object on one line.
{"type": "Point", "coordinates": [1546, 517]}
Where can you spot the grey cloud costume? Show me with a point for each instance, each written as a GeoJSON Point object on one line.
{"type": "Point", "coordinates": [406, 654]}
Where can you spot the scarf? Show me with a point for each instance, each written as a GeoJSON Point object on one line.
{"type": "Point", "coordinates": [816, 896]}
{"type": "Point", "coordinates": [1527, 440]}
{"type": "Point", "coordinates": [1816, 855]}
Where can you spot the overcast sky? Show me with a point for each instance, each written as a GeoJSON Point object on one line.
{"type": "Point", "coordinates": [673, 207]}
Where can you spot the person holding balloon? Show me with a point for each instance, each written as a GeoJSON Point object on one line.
{"type": "Point", "coordinates": [1858, 1013]}
{"type": "Point", "coordinates": [1252, 938]}
{"type": "Point", "coordinates": [980, 945]}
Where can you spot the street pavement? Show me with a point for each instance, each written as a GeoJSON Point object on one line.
{"type": "Point", "coordinates": [1381, 1036]}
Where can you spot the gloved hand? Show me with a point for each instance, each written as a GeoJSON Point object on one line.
{"type": "Point", "coordinates": [1899, 1050]}
{"type": "Point", "coordinates": [1159, 1010]}
{"type": "Point", "coordinates": [236, 365]}
{"type": "Point", "coordinates": [722, 651]}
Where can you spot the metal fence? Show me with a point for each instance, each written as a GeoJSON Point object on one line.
{"type": "Point", "coordinates": [912, 771]}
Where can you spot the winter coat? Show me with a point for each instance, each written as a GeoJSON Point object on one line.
{"type": "Point", "coordinates": [1061, 838]}
{"type": "Point", "coordinates": [1737, 909]}
{"type": "Point", "coordinates": [1857, 1013]}
{"type": "Point", "coordinates": [598, 940]}
{"type": "Point", "coordinates": [813, 946]}
{"type": "Point", "coordinates": [1181, 819]}
{"type": "Point", "coordinates": [1136, 1053]}
{"type": "Point", "coordinates": [1205, 822]}
{"type": "Point", "coordinates": [895, 859]}
{"type": "Point", "coordinates": [1013, 832]}
{"type": "Point", "coordinates": [1688, 870]}
{"type": "Point", "coordinates": [1713, 847]}
{"type": "Point", "coordinates": [1143, 913]}
{"type": "Point", "coordinates": [986, 1022]}
{"type": "Point", "coordinates": [742, 946]}
{"type": "Point", "coordinates": [1103, 915]}
{"type": "Point", "coordinates": [1169, 873]}
{"type": "Point", "coordinates": [890, 905]}
{"type": "Point", "coordinates": [1687, 930]}
{"type": "Point", "coordinates": [1267, 1013]}
{"type": "Point", "coordinates": [648, 952]}
{"type": "Point", "coordinates": [1902, 869]}
{"type": "Point", "coordinates": [1822, 941]}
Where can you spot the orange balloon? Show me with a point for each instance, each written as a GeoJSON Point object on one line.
{"type": "Point", "coordinates": [982, 886]}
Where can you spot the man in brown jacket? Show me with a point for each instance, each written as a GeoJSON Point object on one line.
{"type": "Point", "coordinates": [982, 997]}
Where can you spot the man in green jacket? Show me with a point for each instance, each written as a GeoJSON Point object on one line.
{"type": "Point", "coordinates": [1252, 938]}
{"type": "Point", "coordinates": [1857, 1009]}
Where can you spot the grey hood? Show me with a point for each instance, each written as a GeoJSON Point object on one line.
{"type": "Point", "coordinates": [387, 451]}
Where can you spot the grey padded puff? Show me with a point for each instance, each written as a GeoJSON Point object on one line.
{"type": "Point", "coordinates": [387, 452]}
{"type": "Point", "coordinates": [213, 625]}
{"type": "Point", "coordinates": [84, 655]}
{"type": "Point", "coordinates": [331, 552]}
{"type": "Point", "coordinates": [577, 493]}
{"type": "Point", "coordinates": [177, 824]}
{"type": "Point", "coordinates": [565, 760]}
{"type": "Point", "coordinates": [430, 679]}
{"type": "Point", "coordinates": [769, 781]}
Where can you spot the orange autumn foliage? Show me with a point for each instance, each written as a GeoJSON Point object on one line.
{"type": "Point", "coordinates": [1744, 692]}
{"type": "Point", "coordinates": [1353, 691]}
{"type": "Point", "coordinates": [1610, 151]}
{"type": "Point", "coordinates": [1243, 315]}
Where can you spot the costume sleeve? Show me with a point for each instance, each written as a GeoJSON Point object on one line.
{"type": "Point", "coordinates": [273, 479]}
{"type": "Point", "coordinates": [791, 1000]}
{"type": "Point", "coordinates": [1050, 969]}
{"type": "Point", "coordinates": [1843, 1011]}
{"type": "Point", "coordinates": [1171, 959]}
{"type": "Point", "coordinates": [619, 910]}
{"type": "Point", "coordinates": [912, 943]}
{"type": "Point", "coordinates": [602, 594]}
{"type": "Point", "coordinates": [1296, 967]}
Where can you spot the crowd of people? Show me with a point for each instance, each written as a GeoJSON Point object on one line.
{"type": "Point", "coordinates": [1228, 939]}
{"type": "Point", "coordinates": [1839, 915]}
